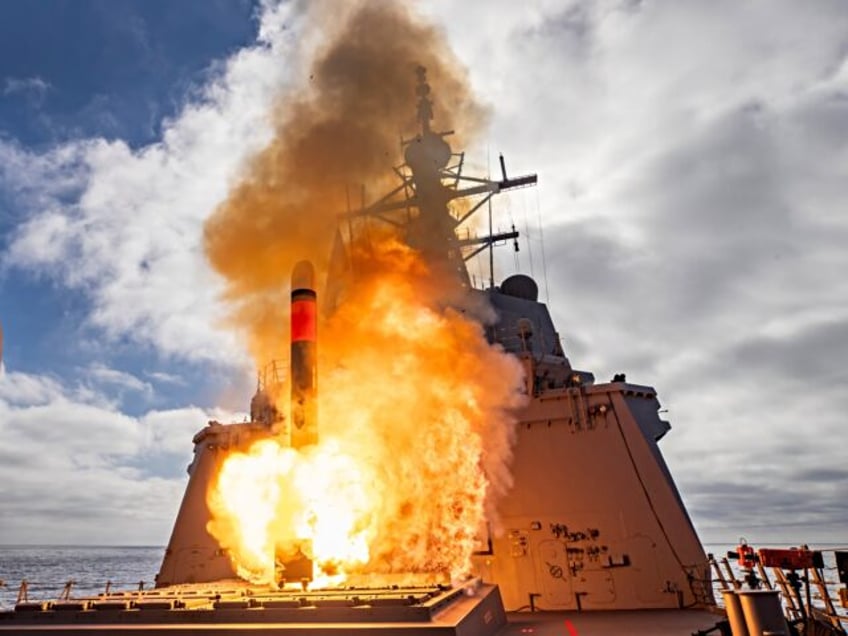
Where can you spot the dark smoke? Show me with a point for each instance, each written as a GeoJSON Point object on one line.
{"type": "Point", "coordinates": [334, 135]}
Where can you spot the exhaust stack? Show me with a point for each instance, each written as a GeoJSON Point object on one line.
{"type": "Point", "coordinates": [304, 367]}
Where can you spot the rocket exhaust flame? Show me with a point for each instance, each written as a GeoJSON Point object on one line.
{"type": "Point", "coordinates": [416, 407]}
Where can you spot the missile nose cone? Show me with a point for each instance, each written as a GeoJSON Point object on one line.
{"type": "Point", "coordinates": [303, 303]}
{"type": "Point", "coordinates": [303, 276]}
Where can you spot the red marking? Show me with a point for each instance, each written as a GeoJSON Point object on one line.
{"type": "Point", "coordinates": [746, 556]}
{"type": "Point", "coordinates": [572, 630]}
{"type": "Point", "coordinates": [304, 323]}
{"type": "Point", "coordinates": [791, 559]}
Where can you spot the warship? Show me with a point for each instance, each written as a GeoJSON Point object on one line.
{"type": "Point", "coordinates": [594, 537]}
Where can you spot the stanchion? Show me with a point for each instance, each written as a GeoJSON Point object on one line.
{"type": "Point", "coordinates": [735, 616]}
{"type": "Point", "coordinates": [763, 612]}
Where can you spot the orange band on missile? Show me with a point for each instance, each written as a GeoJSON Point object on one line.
{"type": "Point", "coordinates": [304, 319]}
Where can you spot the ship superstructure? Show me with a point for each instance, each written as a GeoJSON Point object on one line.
{"type": "Point", "coordinates": [593, 520]}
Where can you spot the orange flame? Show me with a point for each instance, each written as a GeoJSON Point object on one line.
{"type": "Point", "coordinates": [415, 430]}
{"type": "Point", "coordinates": [414, 406]}
{"type": "Point", "coordinates": [273, 500]}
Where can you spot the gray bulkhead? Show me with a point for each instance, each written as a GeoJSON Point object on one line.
{"type": "Point", "coordinates": [193, 554]}
{"type": "Point", "coordinates": [594, 520]}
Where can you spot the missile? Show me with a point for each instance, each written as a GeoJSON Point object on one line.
{"type": "Point", "coordinates": [304, 367]}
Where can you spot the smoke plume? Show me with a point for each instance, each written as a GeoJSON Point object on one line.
{"type": "Point", "coordinates": [415, 407]}
{"type": "Point", "coordinates": [334, 135]}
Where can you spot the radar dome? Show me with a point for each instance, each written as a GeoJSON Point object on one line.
{"type": "Point", "coordinates": [427, 153]}
{"type": "Point", "coordinates": [520, 286]}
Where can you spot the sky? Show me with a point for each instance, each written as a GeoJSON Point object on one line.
{"type": "Point", "coordinates": [689, 229]}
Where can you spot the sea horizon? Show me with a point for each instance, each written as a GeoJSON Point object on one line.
{"type": "Point", "coordinates": [837, 544]}
{"type": "Point", "coordinates": [47, 568]}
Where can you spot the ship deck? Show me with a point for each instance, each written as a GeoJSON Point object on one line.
{"type": "Point", "coordinates": [229, 608]}
{"type": "Point", "coordinates": [596, 623]}
{"type": "Point", "coordinates": [611, 623]}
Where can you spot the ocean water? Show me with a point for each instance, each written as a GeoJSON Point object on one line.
{"type": "Point", "coordinates": [48, 568]}
{"type": "Point", "coordinates": [829, 571]}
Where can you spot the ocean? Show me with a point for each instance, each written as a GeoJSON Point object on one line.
{"type": "Point", "coordinates": [830, 573]}
{"type": "Point", "coordinates": [48, 568]}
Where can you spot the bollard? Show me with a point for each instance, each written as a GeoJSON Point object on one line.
{"type": "Point", "coordinates": [763, 612]}
{"type": "Point", "coordinates": [735, 616]}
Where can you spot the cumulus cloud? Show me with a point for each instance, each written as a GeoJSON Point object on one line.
{"type": "Point", "coordinates": [40, 184]}
{"type": "Point", "coordinates": [32, 88]}
{"type": "Point", "coordinates": [120, 380]}
{"type": "Point", "coordinates": [165, 377]}
{"type": "Point", "coordinates": [692, 180]}
{"type": "Point", "coordinates": [123, 225]}
{"type": "Point", "coordinates": [692, 184]}
{"type": "Point", "coordinates": [78, 469]}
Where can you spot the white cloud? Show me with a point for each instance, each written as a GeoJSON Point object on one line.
{"type": "Point", "coordinates": [18, 388]}
{"type": "Point", "coordinates": [165, 378]}
{"type": "Point", "coordinates": [78, 470]}
{"type": "Point", "coordinates": [171, 431]}
{"type": "Point", "coordinates": [691, 167]}
{"type": "Point", "coordinates": [120, 380]}
{"type": "Point", "coordinates": [43, 183]}
{"type": "Point", "coordinates": [33, 88]}
{"type": "Point", "coordinates": [125, 225]}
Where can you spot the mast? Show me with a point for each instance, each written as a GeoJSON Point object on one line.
{"type": "Point", "coordinates": [431, 178]}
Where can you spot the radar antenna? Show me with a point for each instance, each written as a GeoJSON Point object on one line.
{"type": "Point", "coordinates": [431, 178]}
{"type": "Point", "coordinates": [425, 105]}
